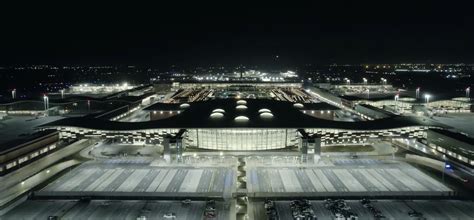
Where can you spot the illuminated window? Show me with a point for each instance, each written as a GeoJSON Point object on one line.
{"type": "Point", "coordinates": [22, 160]}
{"type": "Point", "coordinates": [35, 154]}
{"type": "Point", "coordinates": [10, 165]}
{"type": "Point", "coordinates": [44, 150]}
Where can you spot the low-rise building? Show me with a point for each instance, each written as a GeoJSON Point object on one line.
{"type": "Point", "coordinates": [453, 145]}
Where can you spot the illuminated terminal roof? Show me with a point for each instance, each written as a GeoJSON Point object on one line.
{"type": "Point", "coordinates": [261, 113]}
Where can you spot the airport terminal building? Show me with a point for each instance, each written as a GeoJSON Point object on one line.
{"type": "Point", "coordinates": [244, 125]}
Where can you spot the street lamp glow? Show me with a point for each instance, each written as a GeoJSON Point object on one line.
{"type": "Point", "coordinates": [365, 80]}
{"type": "Point", "coordinates": [46, 102]}
{"type": "Point", "coordinates": [427, 97]}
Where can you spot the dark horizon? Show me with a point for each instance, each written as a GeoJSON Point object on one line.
{"type": "Point", "coordinates": [206, 34]}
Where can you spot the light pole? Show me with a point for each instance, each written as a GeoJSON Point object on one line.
{"type": "Point", "coordinates": [13, 93]}
{"type": "Point", "coordinates": [427, 97]}
{"type": "Point", "coordinates": [468, 92]}
{"type": "Point", "coordinates": [365, 81]}
{"type": "Point", "coordinates": [397, 96]}
{"type": "Point", "coordinates": [384, 81]}
{"type": "Point", "coordinates": [418, 92]}
{"type": "Point", "coordinates": [62, 93]}
{"type": "Point", "coordinates": [46, 103]}
{"type": "Point", "coordinates": [348, 81]}
{"type": "Point", "coordinates": [368, 93]}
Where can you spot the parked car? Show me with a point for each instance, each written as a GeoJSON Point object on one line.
{"type": "Point", "coordinates": [169, 215]}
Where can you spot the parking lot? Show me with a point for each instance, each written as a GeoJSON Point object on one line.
{"type": "Point", "coordinates": [115, 177]}
{"type": "Point", "coordinates": [73, 209]}
{"type": "Point", "coordinates": [391, 209]}
{"type": "Point", "coordinates": [344, 177]}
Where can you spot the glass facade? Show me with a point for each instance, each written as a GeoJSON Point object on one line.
{"type": "Point", "coordinates": [242, 139]}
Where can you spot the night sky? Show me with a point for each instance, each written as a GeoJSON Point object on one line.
{"type": "Point", "coordinates": [239, 33]}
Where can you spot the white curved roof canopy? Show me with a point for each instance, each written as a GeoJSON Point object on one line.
{"type": "Point", "coordinates": [298, 105]}
{"type": "Point", "coordinates": [266, 115]}
{"type": "Point", "coordinates": [264, 110]}
{"type": "Point", "coordinates": [216, 115]}
{"type": "Point", "coordinates": [218, 110]}
{"type": "Point", "coordinates": [241, 118]}
{"type": "Point", "coordinates": [184, 105]}
{"type": "Point", "coordinates": [241, 107]}
{"type": "Point", "coordinates": [241, 102]}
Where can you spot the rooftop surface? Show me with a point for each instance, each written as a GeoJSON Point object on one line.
{"type": "Point", "coordinates": [377, 109]}
{"type": "Point", "coordinates": [17, 129]}
{"type": "Point", "coordinates": [461, 121]}
{"type": "Point", "coordinates": [11, 145]}
{"type": "Point", "coordinates": [455, 135]}
{"type": "Point", "coordinates": [285, 115]}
